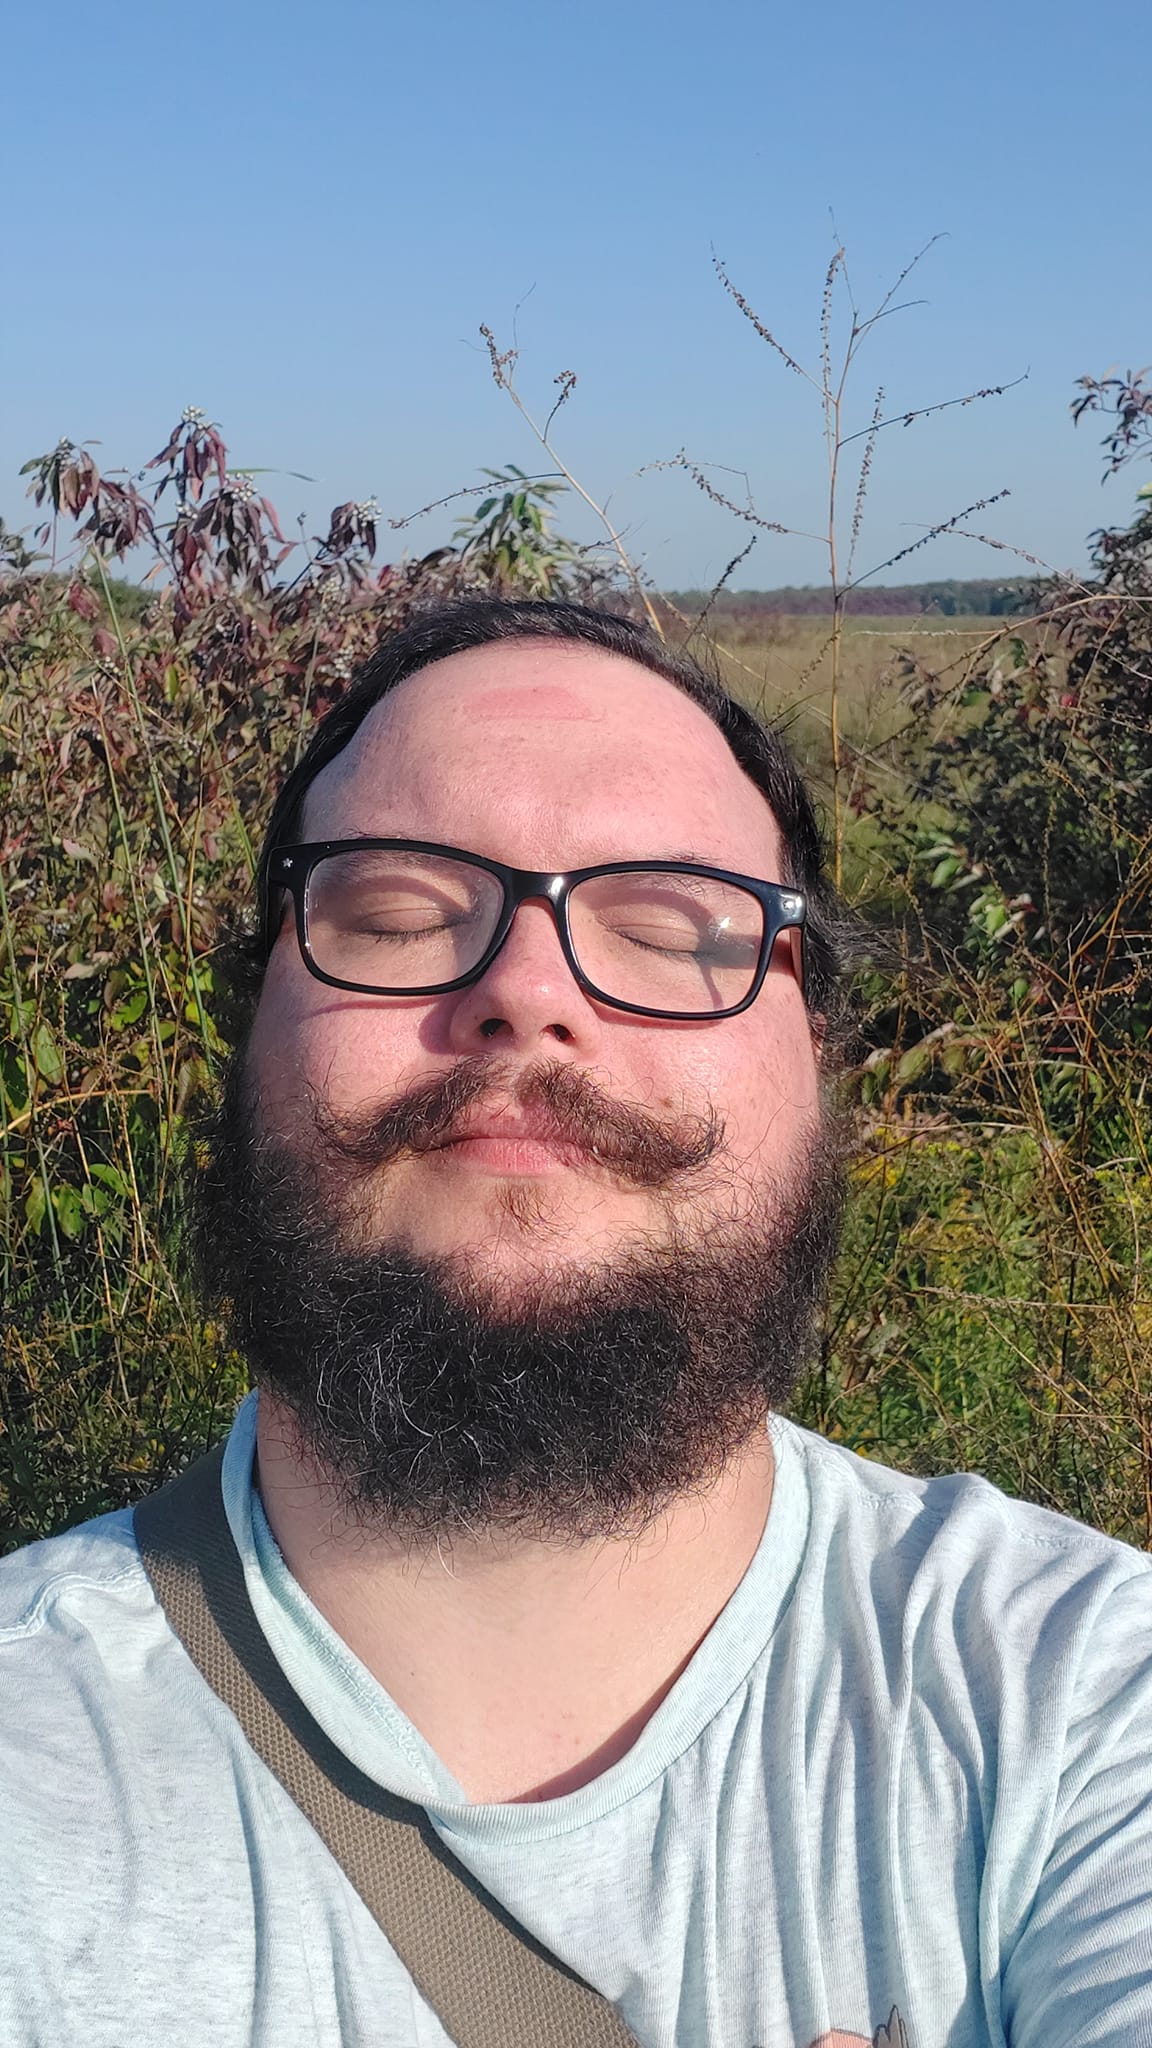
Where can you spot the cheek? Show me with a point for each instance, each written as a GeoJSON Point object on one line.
{"type": "Point", "coordinates": [762, 1078]}
{"type": "Point", "coordinates": [309, 1040]}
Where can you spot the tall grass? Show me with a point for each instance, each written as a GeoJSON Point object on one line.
{"type": "Point", "coordinates": [119, 846]}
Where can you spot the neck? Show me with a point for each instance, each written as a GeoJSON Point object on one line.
{"type": "Point", "coordinates": [529, 1667]}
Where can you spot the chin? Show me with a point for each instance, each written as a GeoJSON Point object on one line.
{"type": "Point", "coordinates": [522, 1249]}
{"type": "Point", "coordinates": [523, 1221]}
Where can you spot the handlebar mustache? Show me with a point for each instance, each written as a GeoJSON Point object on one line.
{"type": "Point", "coordinates": [647, 1150]}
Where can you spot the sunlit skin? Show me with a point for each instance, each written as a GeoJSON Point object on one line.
{"type": "Point", "coordinates": [530, 1667]}
{"type": "Point", "coordinates": [543, 757]}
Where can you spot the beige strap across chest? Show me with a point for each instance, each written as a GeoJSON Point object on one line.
{"type": "Point", "coordinates": [490, 1982]}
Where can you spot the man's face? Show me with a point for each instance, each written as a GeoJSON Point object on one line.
{"type": "Point", "coordinates": [545, 757]}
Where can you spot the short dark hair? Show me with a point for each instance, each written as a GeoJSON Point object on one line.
{"type": "Point", "coordinates": [452, 628]}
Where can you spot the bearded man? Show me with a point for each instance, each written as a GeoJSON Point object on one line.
{"type": "Point", "coordinates": [520, 1204]}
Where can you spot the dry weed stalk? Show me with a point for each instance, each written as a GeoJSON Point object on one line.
{"type": "Point", "coordinates": [503, 363]}
{"type": "Point", "coordinates": [840, 536]}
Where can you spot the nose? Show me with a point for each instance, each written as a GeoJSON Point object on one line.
{"type": "Point", "coordinates": [528, 995]}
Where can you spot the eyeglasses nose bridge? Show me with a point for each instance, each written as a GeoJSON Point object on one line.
{"type": "Point", "coordinates": [535, 888]}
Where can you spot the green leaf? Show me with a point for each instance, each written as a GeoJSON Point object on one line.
{"type": "Point", "coordinates": [1066, 1074]}
{"type": "Point", "coordinates": [129, 1011]}
{"type": "Point", "coordinates": [69, 1209]}
{"type": "Point", "coordinates": [36, 1206]}
{"type": "Point", "coordinates": [46, 1055]}
{"type": "Point", "coordinates": [13, 1080]}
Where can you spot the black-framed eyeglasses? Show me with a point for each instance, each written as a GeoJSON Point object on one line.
{"type": "Point", "coordinates": [660, 938]}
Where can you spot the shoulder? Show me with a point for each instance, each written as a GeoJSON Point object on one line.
{"type": "Point", "coordinates": [982, 1569]}
{"type": "Point", "coordinates": [123, 1778]}
{"type": "Point", "coordinates": [81, 1630]}
{"type": "Point", "coordinates": [98, 1697]}
{"type": "Point", "coordinates": [95, 1564]}
{"type": "Point", "coordinates": [79, 1625]}
{"type": "Point", "coordinates": [954, 1506]}
{"type": "Point", "coordinates": [78, 1620]}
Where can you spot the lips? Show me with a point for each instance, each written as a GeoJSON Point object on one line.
{"type": "Point", "coordinates": [514, 1142]}
{"type": "Point", "coordinates": [538, 1130]}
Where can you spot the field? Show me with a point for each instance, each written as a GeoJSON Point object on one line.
{"type": "Point", "coordinates": [786, 674]}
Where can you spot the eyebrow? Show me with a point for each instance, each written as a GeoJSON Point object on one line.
{"type": "Point", "coordinates": [691, 856]}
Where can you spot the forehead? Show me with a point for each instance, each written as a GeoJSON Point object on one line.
{"type": "Point", "coordinates": [577, 754]}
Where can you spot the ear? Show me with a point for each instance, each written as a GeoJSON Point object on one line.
{"type": "Point", "coordinates": [817, 1021]}
{"type": "Point", "coordinates": [795, 937]}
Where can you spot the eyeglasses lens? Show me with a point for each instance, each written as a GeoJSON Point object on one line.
{"type": "Point", "coordinates": [397, 920]}
{"type": "Point", "coordinates": [667, 941]}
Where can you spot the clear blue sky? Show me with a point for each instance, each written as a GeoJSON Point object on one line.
{"type": "Point", "coordinates": [297, 217]}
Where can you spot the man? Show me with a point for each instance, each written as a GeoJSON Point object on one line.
{"type": "Point", "coordinates": [521, 1201]}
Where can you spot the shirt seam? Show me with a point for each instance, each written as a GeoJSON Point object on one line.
{"type": "Point", "coordinates": [919, 1508]}
{"type": "Point", "coordinates": [660, 1769]}
{"type": "Point", "coordinates": [34, 1619]}
{"type": "Point", "coordinates": [347, 1676]}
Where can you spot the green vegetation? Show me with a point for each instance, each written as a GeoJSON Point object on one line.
{"type": "Point", "coordinates": [989, 792]}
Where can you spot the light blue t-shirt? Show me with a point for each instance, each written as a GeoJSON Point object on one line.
{"type": "Point", "coordinates": [901, 1794]}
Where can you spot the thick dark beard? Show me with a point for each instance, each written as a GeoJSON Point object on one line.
{"type": "Point", "coordinates": [580, 1407]}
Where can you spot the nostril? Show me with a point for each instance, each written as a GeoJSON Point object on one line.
{"type": "Point", "coordinates": [561, 1032]}
{"type": "Point", "coordinates": [491, 1026]}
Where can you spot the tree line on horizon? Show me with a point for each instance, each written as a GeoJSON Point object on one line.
{"type": "Point", "coordinates": [972, 597]}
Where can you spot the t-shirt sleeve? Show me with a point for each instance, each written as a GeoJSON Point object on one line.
{"type": "Point", "coordinates": [1080, 1973]}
